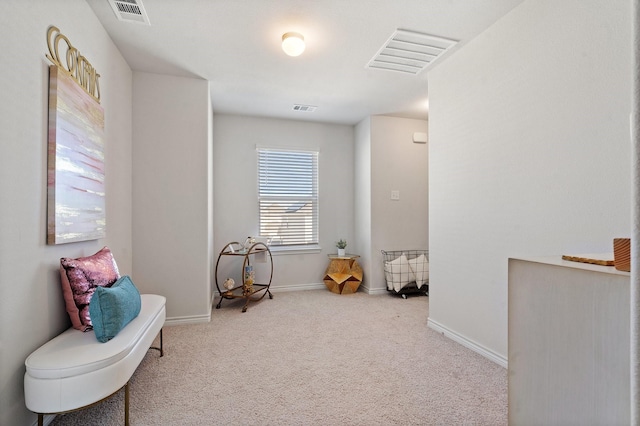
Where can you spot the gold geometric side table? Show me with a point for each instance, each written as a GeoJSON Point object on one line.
{"type": "Point", "coordinates": [343, 275]}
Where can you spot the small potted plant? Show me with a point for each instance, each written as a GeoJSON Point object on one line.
{"type": "Point", "coordinates": [341, 244]}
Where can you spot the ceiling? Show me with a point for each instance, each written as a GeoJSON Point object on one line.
{"type": "Point", "coordinates": [235, 45]}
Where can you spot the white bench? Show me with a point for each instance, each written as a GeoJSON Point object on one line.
{"type": "Point", "coordinates": [74, 370]}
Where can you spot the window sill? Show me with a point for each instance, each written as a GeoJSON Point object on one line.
{"type": "Point", "coordinates": [284, 250]}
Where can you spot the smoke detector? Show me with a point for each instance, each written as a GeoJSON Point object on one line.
{"type": "Point", "coordinates": [409, 52]}
{"type": "Point", "coordinates": [130, 11]}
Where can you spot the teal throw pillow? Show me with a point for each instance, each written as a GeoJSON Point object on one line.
{"type": "Point", "coordinates": [112, 308]}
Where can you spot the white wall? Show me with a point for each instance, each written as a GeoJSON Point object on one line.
{"type": "Point", "coordinates": [362, 198]}
{"type": "Point", "coordinates": [31, 304]}
{"type": "Point", "coordinates": [529, 154]}
{"type": "Point", "coordinates": [396, 164]}
{"type": "Point", "coordinates": [235, 188]}
{"type": "Point", "coordinates": [172, 192]}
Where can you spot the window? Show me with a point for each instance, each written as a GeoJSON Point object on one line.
{"type": "Point", "coordinates": [288, 196]}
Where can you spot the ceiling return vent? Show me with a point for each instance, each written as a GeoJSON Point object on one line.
{"type": "Point", "coordinates": [409, 52]}
{"type": "Point", "coordinates": [304, 108]}
{"type": "Point", "coordinates": [130, 11]}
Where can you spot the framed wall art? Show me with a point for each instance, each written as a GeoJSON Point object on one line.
{"type": "Point", "coordinates": [75, 187]}
{"type": "Point", "coordinates": [75, 160]}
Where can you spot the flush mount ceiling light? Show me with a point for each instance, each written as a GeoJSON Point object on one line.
{"type": "Point", "coordinates": [292, 43]}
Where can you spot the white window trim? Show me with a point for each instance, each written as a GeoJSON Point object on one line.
{"type": "Point", "coordinates": [287, 250]}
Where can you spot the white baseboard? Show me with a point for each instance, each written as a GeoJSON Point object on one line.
{"type": "Point", "coordinates": [322, 286]}
{"type": "Point", "coordinates": [376, 291]}
{"type": "Point", "coordinates": [298, 287]}
{"type": "Point", "coordinates": [467, 343]}
{"type": "Point", "coordinates": [293, 287]}
{"type": "Point", "coordinates": [365, 288]}
{"type": "Point", "coordinates": [196, 319]}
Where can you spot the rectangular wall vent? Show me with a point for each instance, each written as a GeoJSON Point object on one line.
{"type": "Point", "coordinates": [304, 108]}
{"type": "Point", "coordinates": [409, 52]}
{"type": "Point", "coordinates": [130, 11]}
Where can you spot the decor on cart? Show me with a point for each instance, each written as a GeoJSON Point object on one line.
{"type": "Point", "coordinates": [249, 242]}
{"type": "Point", "coordinates": [75, 165]}
{"type": "Point", "coordinates": [249, 278]}
{"type": "Point", "coordinates": [229, 283]}
{"type": "Point", "coordinates": [342, 245]}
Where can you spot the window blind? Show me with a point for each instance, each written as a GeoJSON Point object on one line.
{"type": "Point", "coordinates": [288, 196]}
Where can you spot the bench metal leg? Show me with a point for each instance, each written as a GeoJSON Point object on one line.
{"type": "Point", "coordinates": [161, 348]}
{"type": "Point", "coordinates": [126, 404]}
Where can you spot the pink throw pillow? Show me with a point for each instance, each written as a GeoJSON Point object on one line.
{"type": "Point", "coordinates": [80, 277]}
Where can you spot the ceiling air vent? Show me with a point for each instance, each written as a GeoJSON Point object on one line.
{"type": "Point", "coordinates": [130, 11]}
{"type": "Point", "coordinates": [304, 108]}
{"type": "Point", "coordinates": [409, 52]}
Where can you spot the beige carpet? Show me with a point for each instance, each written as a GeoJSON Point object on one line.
{"type": "Point", "coordinates": [310, 358]}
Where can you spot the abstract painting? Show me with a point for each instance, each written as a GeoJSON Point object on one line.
{"type": "Point", "coordinates": [75, 170]}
